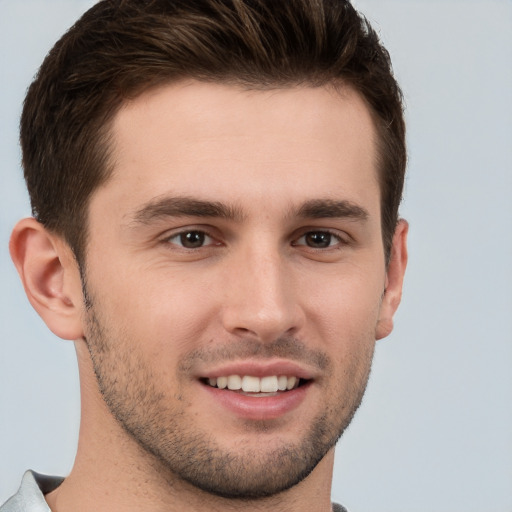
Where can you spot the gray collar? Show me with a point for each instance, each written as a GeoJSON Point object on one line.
{"type": "Point", "coordinates": [30, 495]}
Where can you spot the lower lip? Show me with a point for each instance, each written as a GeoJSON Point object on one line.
{"type": "Point", "coordinates": [259, 408]}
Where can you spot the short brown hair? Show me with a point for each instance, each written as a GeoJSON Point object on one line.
{"type": "Point", "coordinates": [120, 48]}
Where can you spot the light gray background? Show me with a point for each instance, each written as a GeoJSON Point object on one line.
{"type": "Point", "coordinates": [435, 429]}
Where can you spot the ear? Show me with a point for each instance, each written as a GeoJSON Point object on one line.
{"type": "Point", "coordinates": [50, 276]}
{"type": "Point", "coordinates": [394, 280]}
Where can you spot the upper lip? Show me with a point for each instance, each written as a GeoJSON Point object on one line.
{"type": "Point", "coordinates": [259, 368]}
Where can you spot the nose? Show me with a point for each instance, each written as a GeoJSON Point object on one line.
{"type": "Point", "coordinates": [261, 297]}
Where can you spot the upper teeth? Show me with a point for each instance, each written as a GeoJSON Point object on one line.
{"type": "Point", "coordinates": [250, 384]}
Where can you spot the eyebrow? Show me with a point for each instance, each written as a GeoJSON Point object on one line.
{"type": "Point", "coordinates": [160, 208]}
{"type": "Point", "coordinates": [331, 208]}
{"type": "Point", "coordinates": [164, 207]}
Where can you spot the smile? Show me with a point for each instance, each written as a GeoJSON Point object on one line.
{"type": "Point", "coordinates": [255, 389]}
{"type": "Point", "coordinates": [251, 384]}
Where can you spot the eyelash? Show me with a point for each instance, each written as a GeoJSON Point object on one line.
{"type": "Point", "coordinates": [204, 234]}
{"type": "Point", "coordinates": [340, 241]}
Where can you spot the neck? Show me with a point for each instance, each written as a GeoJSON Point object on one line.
{"type": "Point", "coordinates": [112, 472]}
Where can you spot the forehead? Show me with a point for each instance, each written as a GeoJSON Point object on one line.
{"type": "Point", "coordinates": [217, 141]}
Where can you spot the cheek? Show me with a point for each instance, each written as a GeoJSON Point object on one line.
{"type": "Point", "coordinates": [346, 306]}
{"type": "Point", "coordinates": [166, 314]}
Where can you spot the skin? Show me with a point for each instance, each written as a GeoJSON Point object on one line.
{"type": "Point", "coordinates": [272, 279]}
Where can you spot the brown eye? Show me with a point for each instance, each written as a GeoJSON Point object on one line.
{"type": "Point", "coordinates": [191, 239]}
{"type": "Point", "coordinates": [318, 240]}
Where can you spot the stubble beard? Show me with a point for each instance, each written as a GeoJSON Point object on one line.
{"type": "Point", "coordinates": [156, 419]}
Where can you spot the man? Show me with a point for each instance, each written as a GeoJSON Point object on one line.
{"type": "Point", "coordinates": [215, 188]}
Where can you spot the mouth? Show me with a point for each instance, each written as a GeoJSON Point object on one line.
{"type": "Point", "coordinates": [258, 389]}
{"type": "Point", "coordinates": [250, 385]}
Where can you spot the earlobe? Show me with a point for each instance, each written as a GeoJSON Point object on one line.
{"type": "Point", "coordinates": [50, 277]}
{"type": "Point", "coordinates": [394, 280]}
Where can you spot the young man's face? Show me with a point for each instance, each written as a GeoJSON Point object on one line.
{"type": "Point", "coordinates": [239, 239]}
